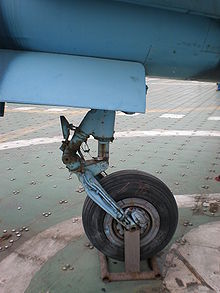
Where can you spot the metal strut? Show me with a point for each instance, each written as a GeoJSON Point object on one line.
{"type": "Point", "coordinates": [99, 124]}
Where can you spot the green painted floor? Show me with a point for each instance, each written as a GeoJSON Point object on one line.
{"type": "Point", "coordinates": [33, 179]}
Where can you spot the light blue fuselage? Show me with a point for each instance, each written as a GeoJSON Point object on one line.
{"type": "Point", "coordinates": [167, 41]}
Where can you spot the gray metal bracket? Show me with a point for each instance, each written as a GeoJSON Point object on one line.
{"type": "Point", "coordinates": [132, 262]}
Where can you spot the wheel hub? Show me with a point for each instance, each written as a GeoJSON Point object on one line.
{"type": "Point", "coordinates": [140, 217]}
{"type": "Point", "coordinates": [142, 212]}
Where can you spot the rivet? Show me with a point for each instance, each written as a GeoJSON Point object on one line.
{"type": "Point", "coordinates": [5, 231]}
{"type": "Point", "coordinates": [12, 179]}
{"type": "Point", "coordinates": [6, 246]}
{"type": "Point", "coordinates": [11, 240]}
{"type": "Point", "coordinates": [26, 229]}
{"type": "Point", "coordinates": [80, 189]}
{"type": "Point", "coordinates": [19, 235]}
{"type": "Point", "coordinates": [13, 230]}
{"type": "Point", "coordinates": [19, 208]}
{"type": "Point", "coordinates": [15, 192]}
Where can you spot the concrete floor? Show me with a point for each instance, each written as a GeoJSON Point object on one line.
{"type": "Point", "coordinates": [176, 140]}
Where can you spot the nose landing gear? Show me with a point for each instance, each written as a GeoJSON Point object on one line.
{"type": "Point", "coordinates": [124, 200]}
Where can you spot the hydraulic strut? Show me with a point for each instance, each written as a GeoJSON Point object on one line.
{"type": "Point", "coordinates": [100, 125]}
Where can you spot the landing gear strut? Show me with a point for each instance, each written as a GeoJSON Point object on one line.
{"type": "Point", "coordinates": [124, 200]}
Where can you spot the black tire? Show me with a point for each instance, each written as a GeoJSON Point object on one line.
{"type": "Point", "coordinates": [125, 185]}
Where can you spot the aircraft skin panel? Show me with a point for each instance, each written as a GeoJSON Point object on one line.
{"type": "Point", "coordinates": [65, 80]}
{"type": "Point", "coordinates": [210, 8]}
{"type": "Point", "coordinates": [168, 43]}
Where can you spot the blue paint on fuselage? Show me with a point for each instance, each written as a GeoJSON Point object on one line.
{"type": "Point", "coordinates": [168, 43]}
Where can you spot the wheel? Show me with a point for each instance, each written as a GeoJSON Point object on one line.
{"type": "Point", "coordinates": [146, 194]}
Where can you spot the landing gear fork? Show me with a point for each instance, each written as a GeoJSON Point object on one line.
{"type": "Point", "coordinates": [99, 124]}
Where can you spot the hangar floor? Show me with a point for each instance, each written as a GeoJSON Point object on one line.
{"type": "Point", "coordinates": [177, 140]}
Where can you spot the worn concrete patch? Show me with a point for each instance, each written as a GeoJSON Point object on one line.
{"type": "Point", "coordinates": [193, 265]}
{"type": "Point", "coordinates": [17, 270]}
